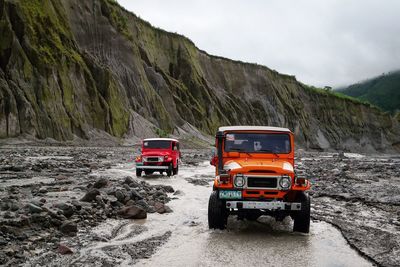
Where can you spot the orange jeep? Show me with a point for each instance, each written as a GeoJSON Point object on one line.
{"type": "Point", "coordinates": [255, 176]}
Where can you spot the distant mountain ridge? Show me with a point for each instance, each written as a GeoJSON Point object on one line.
{"type": "Point", "coordinates": [382, 91]}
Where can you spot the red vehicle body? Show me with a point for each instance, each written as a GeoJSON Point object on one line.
{"type": "Point", "coordinates": [158, 155]}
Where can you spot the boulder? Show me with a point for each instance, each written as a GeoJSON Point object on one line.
{"type": "Point", "coordinates": [132, 212]}
{"type": "Point", "coordinates": [120, 195]}
{"type": "Point", "coordinates": [34, 208]}
{"type": "Point", "coordinates": [91, 195]}
{"type": "Point", "coordinates": [168, 189]}
{"type": "Point", "coordinates": [67, 209]}
{"type": "Point", "coordinates": [100, 183]}
{"type": "Point", "coordinates": [135, 195]}
{"type": "Point", "coordinates": [162, 208]}
{"type": "Point", "coordinates": [63, 249]}
{"type": "Point", "coordinates": [128, 180]}
{"type": "Point", "coordinates": [69, 228]}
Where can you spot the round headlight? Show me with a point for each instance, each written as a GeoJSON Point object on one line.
{"type": "Point", "coordinates": [285, 182]}
{"type": "Point", "coordinates": [239, 181]}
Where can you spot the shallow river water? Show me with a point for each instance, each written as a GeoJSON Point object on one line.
{"type": "Point", "coordinates": [264, 242]}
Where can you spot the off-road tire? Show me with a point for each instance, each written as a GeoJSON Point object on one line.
{"type": "Point", "coordinates": [252, 216]}
{"type": "Point", "coordinates": [217, 215]}
{"type": "Point", "coordinates": [138, 173]}
{"type": "Point", "coordinates": [169, 171]}
{"type": "Point", "coordinates": [302, 217]}
{"type": "Point", "coordinates": [175, 170]}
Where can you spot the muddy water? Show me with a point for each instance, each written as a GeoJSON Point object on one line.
{"type": "Point", "coordinates": [264, 242]}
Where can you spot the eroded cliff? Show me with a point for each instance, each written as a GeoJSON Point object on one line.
{"type": "Point", "coordinates": [83, 68]}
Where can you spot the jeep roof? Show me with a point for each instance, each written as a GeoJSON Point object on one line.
{"type": "Point", "coordinates": [253, 128]}
{"type": "Point", "coordinates": [160, 139]}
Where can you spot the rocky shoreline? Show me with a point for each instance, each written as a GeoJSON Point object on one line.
{"type": "Point", "coordinates": [53, 199]}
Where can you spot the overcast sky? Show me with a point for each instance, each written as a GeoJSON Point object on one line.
{"type": "Point", "coordinates": [321, 42]}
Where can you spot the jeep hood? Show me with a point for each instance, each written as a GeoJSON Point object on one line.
{"type": "Point", "coordinates": [155, 153]}
{"type": "Point", "coordinates": [246, 165]}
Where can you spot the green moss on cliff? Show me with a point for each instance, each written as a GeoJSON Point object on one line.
{"type": "Point", "coordinates": [48, 32]}
{"type": "Point", "coordinates": [116, 16]}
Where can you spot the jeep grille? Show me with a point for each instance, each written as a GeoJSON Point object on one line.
{"type": "Point", "coordinates": [262, 182]}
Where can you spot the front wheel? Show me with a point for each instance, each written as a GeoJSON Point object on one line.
{"type": "Point", "coordinates": [217, 215]}
{"type": "Point", "coordinates": [138, 172]}
{"type": "Point", "coordinates": [175, 170]}
{"type": "Point", "coordinates": [169, 170]}
{"type": "Point", "coordinates": [302, 217]}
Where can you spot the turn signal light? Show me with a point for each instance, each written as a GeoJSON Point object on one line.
{"type": "Point", "coordinates": [301, 181]}
{"type": "Point", "coordinates": [138, 159]}
{"type": "Point", "coordinates": [224, 177]}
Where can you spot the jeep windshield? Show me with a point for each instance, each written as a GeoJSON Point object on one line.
{"type": "Point", "coordinates": [258, 143]}
{"type": "Point", "coordinates": [157, 144]}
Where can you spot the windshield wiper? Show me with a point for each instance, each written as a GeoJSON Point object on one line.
{"type": "Point", "coordinates": [238, 149]}
{"type": "Point", "coordinates": [270, 151]}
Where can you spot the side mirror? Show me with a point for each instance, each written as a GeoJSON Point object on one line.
{"type": "Point", "coordinates": [139, 150]}
{"type": "Point", "coordinates": [213, 152]}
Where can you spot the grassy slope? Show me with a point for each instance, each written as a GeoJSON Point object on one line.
{"type": "Point", "coordinates": [382, 91]}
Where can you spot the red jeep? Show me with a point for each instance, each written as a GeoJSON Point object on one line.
{"type": "Point", "coordinates": [158, 155]}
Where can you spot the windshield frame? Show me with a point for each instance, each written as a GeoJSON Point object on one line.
{"type": "Point", "coordinates": [148, 148]}
{"type": "Point", "coordinates": [260, 152]}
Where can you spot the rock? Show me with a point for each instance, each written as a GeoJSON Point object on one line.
{"type": "Point", "coordinates": [67, 209]}
{"type": "Point", "coordinates": [130, 203]}
{"type": "Point", "coordinates": [167, 209]}
{"type": "Point", "coordinates": [100, 201]}
{"type": "Point", "coordinates": [63, 249]}
{"type": "Point", "coordinates": [162, 208]}
{"type": "Point", "coordinates": [135, 195]}
{"type": "Point", "coordinates": [120, 195]}
{"type": "Point", "coordinates": [43, 190]}
{"type": "Point", "coordinates": [8, 215]}
{"type": "Point", "coordinates": [55, 222]}
{"type": "Point", "coordinates": [128, 180]}
{"type": "Point", "coordinates": [100, 183]}
{"type": "Point", "coordinates": [4, 205]}
{"type": "Point", "coordinates": [34, 208]}
{"type": "Point", "coordinates": [37, 202]}
{"type": "Point", "coordinates": [159, 207]}
{"type": "Point", "coordinates": [91, 195]}
{"type": "Point", "coordinates": [178, 193]}
{"type": "Point", "coordinates": [76, 204]}
{"type": "Point", "coordinates": [126, 187]}
{"type": "Point", "coordinates": [69, 228]}
{"type": "Point", "coordinates": [113, 201]}
{"type": "Point", "coordinates": [168, 189]}
{"type": "Point", "coordinates": [132, 212]}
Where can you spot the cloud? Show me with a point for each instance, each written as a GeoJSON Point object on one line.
{"type": "Point", "coordinates": [330, 42]}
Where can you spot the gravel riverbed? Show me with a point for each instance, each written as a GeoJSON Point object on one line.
{"type": "Point", "coordinates": [84, 206]}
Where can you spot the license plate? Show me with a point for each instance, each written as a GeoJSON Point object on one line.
{"type": "Point", "coordinates": [230, 194]}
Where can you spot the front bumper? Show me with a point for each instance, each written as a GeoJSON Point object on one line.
{"type": "Point", "coordinates": [149, 167]}
{"type": "Point", "coordinates": [262, 205]}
